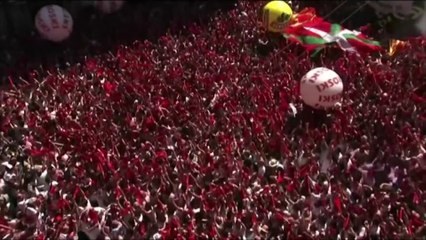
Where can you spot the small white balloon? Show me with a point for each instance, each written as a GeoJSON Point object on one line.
{"type": "Point", "coordinates": [109, 6]}
{"type": "Point", "coordinates": [54, 23]}
{"type": "Point", "coordinates": [321, 88]}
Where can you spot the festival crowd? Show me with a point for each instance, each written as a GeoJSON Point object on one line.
{"type": "Point", "coordinates": [203, 135]}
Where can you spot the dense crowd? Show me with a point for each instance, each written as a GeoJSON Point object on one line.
{"type": "Point", "coordinates": [204, 135]}
{"type": "Point", "coordinates": [22, 47]}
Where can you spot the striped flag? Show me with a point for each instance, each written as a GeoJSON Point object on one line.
{"type": "Point", "coordinates": [314, 33]}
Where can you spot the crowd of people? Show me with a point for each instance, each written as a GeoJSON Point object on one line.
{"type": "Point", "coordinates": [22, 48]}
{"type": "Point", "coordinates": [204, 135]}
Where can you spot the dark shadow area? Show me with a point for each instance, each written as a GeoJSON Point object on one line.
{"type": "Point", "coordinates": [22, 49]}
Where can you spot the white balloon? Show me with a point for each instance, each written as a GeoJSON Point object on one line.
{"type": "Point", "coordinates": [54, 23]}
{"type": "Point", "coordinates": [109, 6]}
{"type": "Point", "coordinates": [321, 88]}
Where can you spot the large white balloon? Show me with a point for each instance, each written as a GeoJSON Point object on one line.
{"type": "Point", "coordinates": [109, 6]}
{"type": "Point", "coordinates": [321, 88]}
{"type": "Point", "coordinates": [54, 23]}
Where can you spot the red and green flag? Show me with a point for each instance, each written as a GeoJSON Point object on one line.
{"type": "Point", "coordinates": [314, 33]}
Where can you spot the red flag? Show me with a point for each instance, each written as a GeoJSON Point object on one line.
{"type": "Point", "coordinates": [313, 32]}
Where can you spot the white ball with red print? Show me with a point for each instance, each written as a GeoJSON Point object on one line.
{"type": "Point", "coordinates": [109, 6]}
{"type": "Point", "coordinates": [54, 23]}
{"type": "Point", "coordinates": [321, 88]}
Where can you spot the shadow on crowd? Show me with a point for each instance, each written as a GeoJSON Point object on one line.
{"type": "Point", "coordinates": [22, 49]}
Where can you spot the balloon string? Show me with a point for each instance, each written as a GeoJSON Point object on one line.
{"type": "Point", "coordinates": [353, 13]}
{"type": "Point", "coordinates": [335, 9]}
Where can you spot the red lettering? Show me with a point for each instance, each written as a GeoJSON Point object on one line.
{"type": "Point", "coordinates": [53, 18]}
{"type": "Point", "coordinates": [325, 98]}
{"type": "Point", "coordinates": [319, 88]}
{"type": "Point", "coordinates": [336, 80]}
{"type": "Point", "coordinates": [55, 23]}
{"type": "Point", "coordinates": [336, 97]}
{"type": "Point", "coordinates": [330, 83]}
{"type": "Point", "coordinates": [315, 76]}
{"type": "Point", "coordinates": [66, 21]}
{"type": "Point", "coordinates": [42, 24]}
